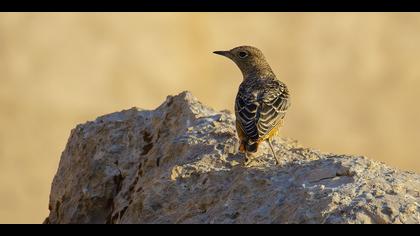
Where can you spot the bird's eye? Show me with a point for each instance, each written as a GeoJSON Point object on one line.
{"type": "Point", "coordinates": [243, 54]}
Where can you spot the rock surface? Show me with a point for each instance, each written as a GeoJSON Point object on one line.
{"type": "Point", "coordinates": [179, 164]}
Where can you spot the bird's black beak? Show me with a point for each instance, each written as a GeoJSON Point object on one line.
{"type": "Point", "coordinates": [223, 53]}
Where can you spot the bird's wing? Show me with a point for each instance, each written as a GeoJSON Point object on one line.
{"type": "Point", "coordinates": [246, 109]}
{"type": "Point", "coordinates": [258, 111]}
{"type": "Point", "coordinates": [273, 108]}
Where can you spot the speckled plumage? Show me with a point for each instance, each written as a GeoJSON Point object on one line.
{"type": "Point", "coordinates": [260, 107]}
{"type": "Point", "coordinates": [262, 100]}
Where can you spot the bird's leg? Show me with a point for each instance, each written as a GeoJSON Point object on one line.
{"type": "Point", "coordinates": [247, 159]}
{"type": "Point", "coordinates": [274, 153]}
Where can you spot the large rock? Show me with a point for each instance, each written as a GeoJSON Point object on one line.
{"type": "Point", "coordinates": [179, 164]}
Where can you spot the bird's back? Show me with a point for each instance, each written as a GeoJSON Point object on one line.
{"type": "Point", "coordinates": [260, 107]}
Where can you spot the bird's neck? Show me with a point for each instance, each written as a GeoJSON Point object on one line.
{"type": "Point", "coordinates": [259, 72]}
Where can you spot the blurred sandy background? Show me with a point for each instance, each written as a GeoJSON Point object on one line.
{"type": "Point", "coordinates": [354, 78]}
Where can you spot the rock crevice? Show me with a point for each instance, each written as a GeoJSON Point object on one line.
{"type": "Point", "coordinates": [179, 164]}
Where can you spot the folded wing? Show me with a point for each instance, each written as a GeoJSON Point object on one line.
{"type": "Point", "coordinates": [260, 107]}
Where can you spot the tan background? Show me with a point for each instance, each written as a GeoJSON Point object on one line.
{"type": "Point", "coordinates": [354, 78]}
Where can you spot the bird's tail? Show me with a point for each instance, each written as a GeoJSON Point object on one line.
{"type": "Point", "coordinates": [251, 146]}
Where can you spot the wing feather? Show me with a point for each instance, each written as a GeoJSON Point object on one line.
{"type": "Point", "coordinates": [260, 106]}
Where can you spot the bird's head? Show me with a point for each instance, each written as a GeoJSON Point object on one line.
{"type": "Point", "coordinates": [250, 60]}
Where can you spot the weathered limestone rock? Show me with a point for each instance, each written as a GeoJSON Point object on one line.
{"type": "Point", "coordinates": [179, 164]}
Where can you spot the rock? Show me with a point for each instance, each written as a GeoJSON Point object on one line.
{"type": "Point", "coordinates": [179, 164]}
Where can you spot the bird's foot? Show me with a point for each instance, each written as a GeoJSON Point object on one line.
{"type": "Point", "coordinates": [247, 160]}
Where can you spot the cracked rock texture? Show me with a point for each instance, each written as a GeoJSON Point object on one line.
{"type": "Point", "coordinates": [179, 164]}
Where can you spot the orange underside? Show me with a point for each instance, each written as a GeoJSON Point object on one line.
{"type": "Point", "coordinates": [243, 139]}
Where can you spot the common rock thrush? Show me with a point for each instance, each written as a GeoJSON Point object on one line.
{"type": "Point", "coordinates": [261, 102]}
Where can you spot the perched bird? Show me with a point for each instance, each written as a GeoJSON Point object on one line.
{"type": "Point", "coordinates": [261, 102]}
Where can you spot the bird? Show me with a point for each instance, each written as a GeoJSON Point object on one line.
{"type": "Point", "coordinates": [262, 100]}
